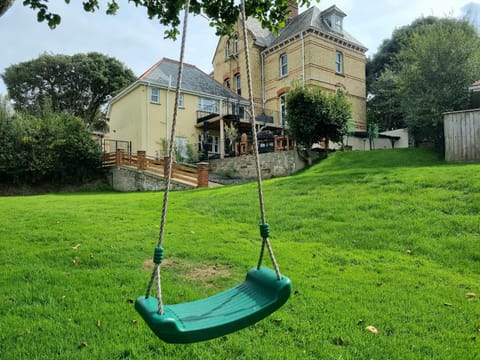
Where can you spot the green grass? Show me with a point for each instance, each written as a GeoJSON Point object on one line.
{"type": "Point", "coordinates": [386, 238]}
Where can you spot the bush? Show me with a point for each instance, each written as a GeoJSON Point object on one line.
{"type": "Point", "coordinates": [58, 148]}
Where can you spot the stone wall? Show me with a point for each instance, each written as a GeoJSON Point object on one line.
{"type": "Point", "coordinates": [274, 164]}
{"type": "Point", "coordinates": [124, 178]}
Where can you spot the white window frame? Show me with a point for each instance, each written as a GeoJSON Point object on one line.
{"type": "Point", "coordinates": [181, 101]}
{"type": "Point", "coordinates": [212, 144]}
{"type": "Point", "coordinates": [155, 95]}
{"type": "Point", "coordinates": [338, 24]}
{"type": "Point", "coordinates": [227, 48]}
{"type": "Point", "coordinates": [283, 65]}
{"type": "Point", "coordinates": [235, 44]}
{"type": "Point", "coordinates": [208, 105]}
{"type": "Point", "coordinates": [339, 62]}
{"type": "Point", "coordinates": [181, 146]}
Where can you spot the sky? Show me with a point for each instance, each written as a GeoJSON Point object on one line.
{"type": "Point", "coordinates": [139, 42]}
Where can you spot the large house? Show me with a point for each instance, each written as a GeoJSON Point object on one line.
{"type": "Point", "coordinates": [142, 113]}
{"type": "Point", "coordinates": [313, 49]}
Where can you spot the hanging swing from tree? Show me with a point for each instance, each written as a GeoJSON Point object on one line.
{"type": "Point", "coordinates": [263, 291]}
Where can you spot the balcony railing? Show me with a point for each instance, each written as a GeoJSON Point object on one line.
{"type": "Point", "coordinates": [228, 108]}
{"type": "Point", "coordinates": [234, 111]}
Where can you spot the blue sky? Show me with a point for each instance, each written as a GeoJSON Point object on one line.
{"type": "Point", "coordinates": [138, 42]}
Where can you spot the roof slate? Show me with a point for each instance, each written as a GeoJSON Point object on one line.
{"type": "Point", "coordinates": [309, 19]}
{"type": "Point", "coordinates": [194, 80]}
{"type": "Point", "coordinates": [263, 37]}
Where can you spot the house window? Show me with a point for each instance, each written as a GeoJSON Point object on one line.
{"type": "Point", "coordinates": [235, 45]}
{"type": "Point", "coordinates": [339, 62]}
{"type": "Point", "coordinates": [283, 110]}
{"type": "Point", "coordinates": [283, 65]}
{"type": "Point", "coordinates": [155, 95]}
{"type": "Point", "coordinates": [238, 84]}
{"type": "Point", "coordinates": [337, 24]}
{"type": "Point", "coordinates": [227, 49]}
{"type": "Point", "coordinates": [181, 148]}
{"type": "Point", "coordinates": [208, 105]}
{"type": "Point", "coordinates": [226, 83]}
{"type": "Point", "coordinates": [208, 142]}
{"type": "Point", "coordinates": [181, 103]}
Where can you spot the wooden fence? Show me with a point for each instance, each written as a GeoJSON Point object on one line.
{"type": "Point", "coordinates": [195, 175]}
{"type": "Point", "coordinates": [462, 135]}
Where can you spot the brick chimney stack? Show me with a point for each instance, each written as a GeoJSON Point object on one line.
{"type": "Point", "coordinates": [293, 9]}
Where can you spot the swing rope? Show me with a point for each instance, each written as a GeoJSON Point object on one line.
{"type": "Point", "coordinates": [264, 229]}
{"type": "Point", "coordinates": [158, 256]}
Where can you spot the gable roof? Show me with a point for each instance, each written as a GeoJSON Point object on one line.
{"type": "Point", "coordinates": [194, 80]}
{"type": "Point", "coordinates": [311, 19]}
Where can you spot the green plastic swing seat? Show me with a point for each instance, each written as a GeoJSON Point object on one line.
{"type": "Point", "coordinates": [257, 297]}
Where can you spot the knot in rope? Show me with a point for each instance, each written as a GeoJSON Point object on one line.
{"type": "Point", "coordinates": [264, 230]}
{"type": "Point", "coordinates": [158, 255]}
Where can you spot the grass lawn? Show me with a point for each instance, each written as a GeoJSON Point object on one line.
{"type": "Point", "coordinates": [389, 239]}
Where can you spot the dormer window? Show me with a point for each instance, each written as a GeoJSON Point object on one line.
{"type": "Point", "coordinates": [337, 23]}
{"type": "Point", "coordinates": [333, 16]}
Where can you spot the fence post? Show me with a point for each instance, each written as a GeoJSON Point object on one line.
{"type": "Point", "coordinates": [141, 160]}
{"type": "Point", "coordinates": [119, 157]}
{"type": "Point", "coordinates": [202, 174]}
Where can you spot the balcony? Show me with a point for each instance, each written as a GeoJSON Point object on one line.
{"type": "Point", "coordinates": [234, 111]}
{"type": "Point", "coordinates": [229, 109]}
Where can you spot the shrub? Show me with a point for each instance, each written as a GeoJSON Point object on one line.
{"type": "Point", "coordinates": [58, 148]}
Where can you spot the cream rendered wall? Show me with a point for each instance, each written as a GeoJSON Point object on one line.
{"type": "Point", "coordinates": [161, 118]}
{"type": "Point", "coordinates": [187, 118]}
{"type": "Point", "coordinates": [133, 117]}
{"type": "Point", "coordinates": [127, 118]}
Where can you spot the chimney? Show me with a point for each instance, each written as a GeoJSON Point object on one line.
{"type": "Point", "coordinates": [293, 7]}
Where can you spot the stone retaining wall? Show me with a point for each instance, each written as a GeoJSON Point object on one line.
{"type": "Point", "coordinates": [123, 178]}
{"type": "Point", "coordinates": [273, 164]}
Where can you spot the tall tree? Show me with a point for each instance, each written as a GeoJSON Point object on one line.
{"type": "Point", "coordinates": [314, 115]}
{"type": "Point", "coordinates": [385, 57]}
{"type": "Point", "coordinates": [383, 108]}
{"type": "Point", "coordinates": [437, 68]}
{"type": "Point", "coordinates": [382, 70]}
{"type": "Point", "coordinates": [80, 84]}
{"type": "Point", "coordinates": [223, 14]}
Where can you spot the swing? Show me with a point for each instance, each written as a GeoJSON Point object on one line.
{"type": "Point", "coordinates": [263, 291]}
